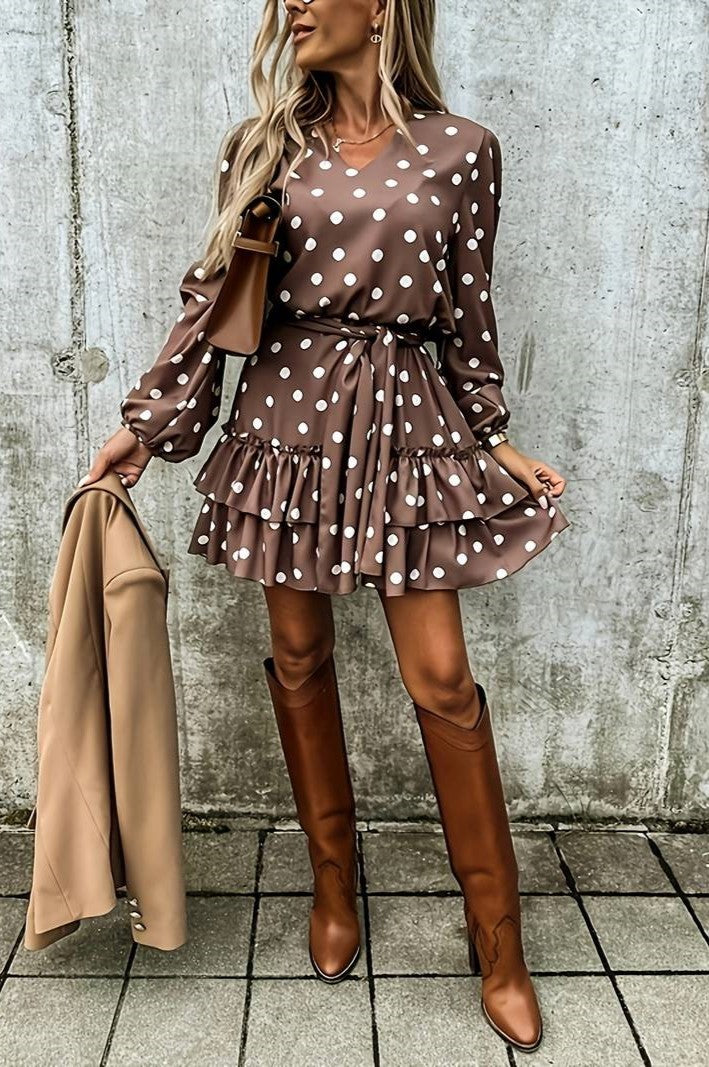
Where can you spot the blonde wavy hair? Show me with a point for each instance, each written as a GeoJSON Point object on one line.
{"type": "Point", "coordinates": [301, 101]}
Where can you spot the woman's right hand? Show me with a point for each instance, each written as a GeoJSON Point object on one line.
{"type": "Point", "coordinates": [122, 453]}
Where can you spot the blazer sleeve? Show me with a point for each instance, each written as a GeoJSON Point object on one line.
{"type": "Point", "coordinates": [176, 401]}
{"type": "Point", "coordinates": [145, 751]}
{"type": "Point", "coordinates": [470, 361]}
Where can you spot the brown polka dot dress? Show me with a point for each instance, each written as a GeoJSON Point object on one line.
{"type": "Point", "coordinates": [354, 448]}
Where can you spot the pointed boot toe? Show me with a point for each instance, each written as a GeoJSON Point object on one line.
{"type": "Point", "coordinates": [334, 951]}
{"type": "Point", "coordinates": [335, 939]}
{"type": "Point", "coordinates": [513, 1012]}
{"type": "Point", "coordinates": [508, 1000]}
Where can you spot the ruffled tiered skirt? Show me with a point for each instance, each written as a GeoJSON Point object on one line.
{"type": "Point", "coordinates": [346, 460]}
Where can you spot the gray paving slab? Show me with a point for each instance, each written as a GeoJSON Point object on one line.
{"type": "Point", "coordinates": [12, 917]}
{"type": "Point", "coordinates": [612, 861]}
{"type": "Point", "coordinates": [688, 856]}
{"type": "Point", "coordinates": [418, 935]}
{"type": "Point", "coordinates": [584, 1025]}
{"type": "Point", "coordinates": [411, 862]}
{"type": "Point", "coordinates": [286, 864]}
{"type": "Point", "coordinates": [301, 1022]}
{"type": "Point", "coordinates": [556, 936]}
{"type": "Point", "coordinates": [427, 1022]}
{"type": "Point", "coordinates": [100, 946]}
{"type": "Point", "coordinates": [16, 859]}
{"type": "Point", "coordinates": [282, 938]}
{"type": "Point", "coordinates": [648, 933]}
{"type": "Point", "coordinates": [671, 1017]}
{"type": "Point", "coordinates": [179, 1022]}
{"type": "Point", "coordinates": [219, 930]}
{"type": "Point", "coordinates": [220, 862]}
{"type": "Point", "coordinates": [538, 863]}
{"type": "Point", "coordinates": [56, 1022]}
{"type": "Point", "coordinates": [700, 906]}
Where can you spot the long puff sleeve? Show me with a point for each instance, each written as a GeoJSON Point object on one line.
{"type": "Point", "coordinates": [470, 362]}
{"type": "Point", "coordinates": [174, 403]}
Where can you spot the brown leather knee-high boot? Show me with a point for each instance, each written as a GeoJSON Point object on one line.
{"type": "Point", "coordinates": [466, 780]}
{"type": "Point", "coordinates": [311, 731]}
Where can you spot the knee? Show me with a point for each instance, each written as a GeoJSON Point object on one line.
{"type": "Point", "coordinates": [297, 656]}
{"type": "Point", "coordinates": [447, 691]}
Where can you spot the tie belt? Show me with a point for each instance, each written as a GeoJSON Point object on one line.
{"type": "Point", "coordinates": [372, 330]}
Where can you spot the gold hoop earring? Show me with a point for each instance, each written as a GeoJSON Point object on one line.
{"type": "Point", "coordinates": [376, 36]}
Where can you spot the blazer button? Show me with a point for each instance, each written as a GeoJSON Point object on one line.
{"type": "Point", "coordinates": [139, 926]}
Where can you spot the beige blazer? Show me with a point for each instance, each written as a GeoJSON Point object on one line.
{"type": "Point", "coordinates": [107, 813]}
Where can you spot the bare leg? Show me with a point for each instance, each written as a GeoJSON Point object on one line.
{"type": "Point", "coordinates": [427, 632]}
{"type": "Point", "coordinates": [302, 632]}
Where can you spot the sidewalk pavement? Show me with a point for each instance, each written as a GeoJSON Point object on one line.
{"type": "Point", "coordinates": [616, 934]}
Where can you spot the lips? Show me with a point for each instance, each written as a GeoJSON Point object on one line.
{"type": "Point", "coordinates": [299, 34]}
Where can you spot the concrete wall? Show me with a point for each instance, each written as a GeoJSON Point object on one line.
{"type": "Point", "coordinates": [594, 655]}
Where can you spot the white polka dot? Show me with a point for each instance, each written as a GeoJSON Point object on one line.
{"type": "Point", "coordinates": [438, 572]}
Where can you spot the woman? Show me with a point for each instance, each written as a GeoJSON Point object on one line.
{"type": "Point", "coordinates": [355, 454]}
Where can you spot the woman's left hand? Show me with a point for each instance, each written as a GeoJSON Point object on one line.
{"type": "Point", "coordinates": [537, 475]}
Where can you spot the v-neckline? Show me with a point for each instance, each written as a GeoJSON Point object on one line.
{"type": "Point", "coordinates": [361, 170]}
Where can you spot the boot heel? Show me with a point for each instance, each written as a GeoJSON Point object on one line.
{"type": "Point", "coordinates": [473, 956]}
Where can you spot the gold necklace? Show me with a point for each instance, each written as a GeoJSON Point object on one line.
{"type": "Point", "coordinates": [344, 140]}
